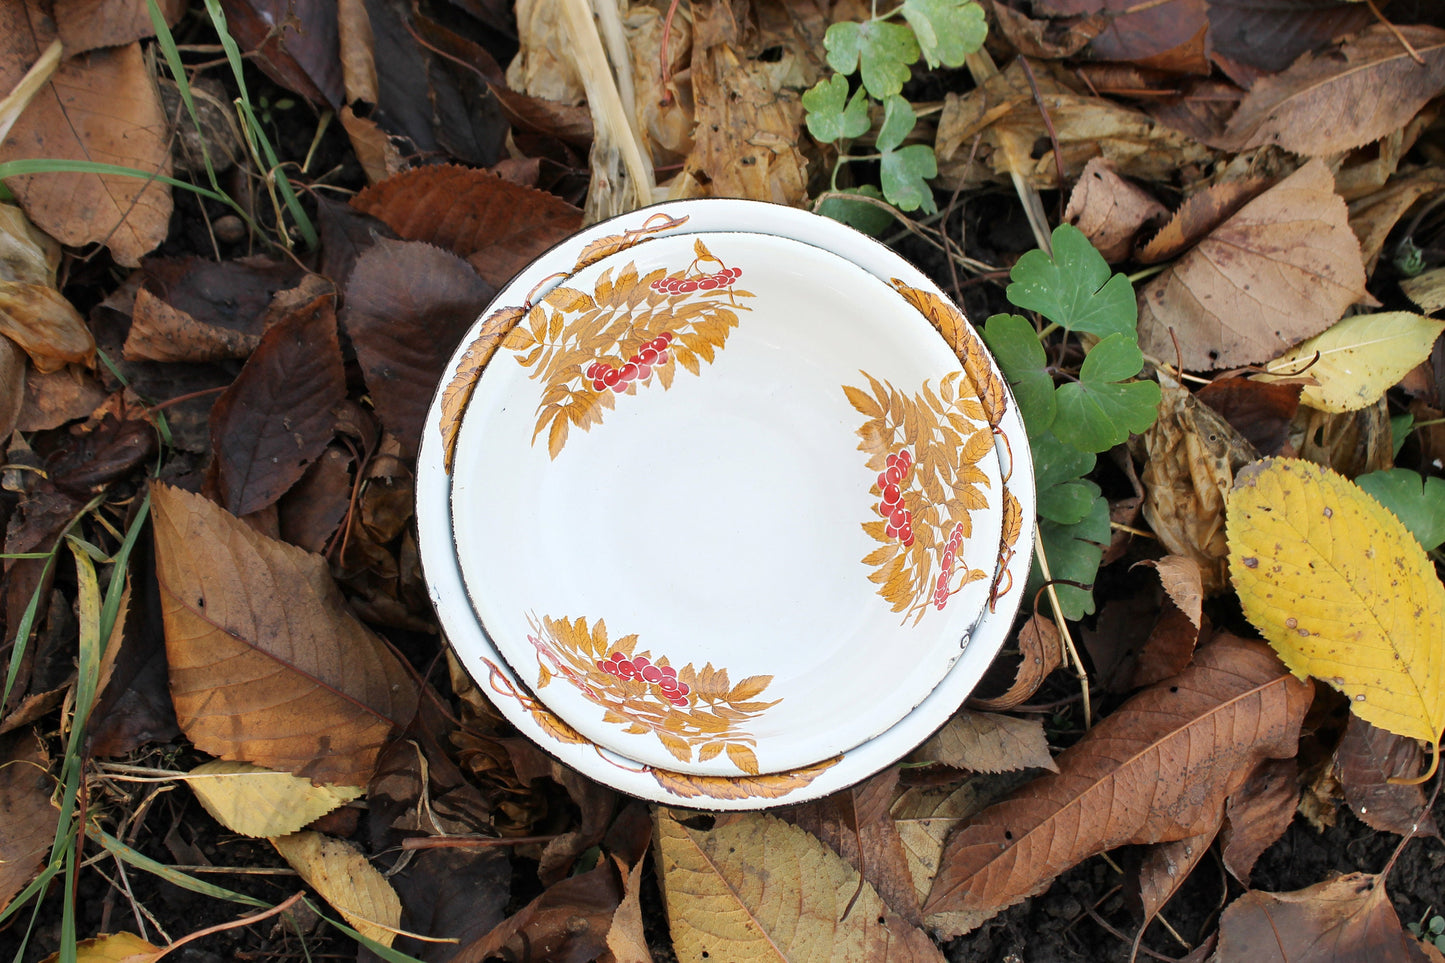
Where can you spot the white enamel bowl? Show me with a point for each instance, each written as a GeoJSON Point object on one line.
{"type": "Point", "coordinates": [769, 633]}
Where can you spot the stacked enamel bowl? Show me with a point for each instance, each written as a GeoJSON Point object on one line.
{"type": "Point", "coordinates": [724, 504]}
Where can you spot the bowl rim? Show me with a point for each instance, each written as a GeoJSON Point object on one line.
{"type": "Point", "coordinates": [468, 640]}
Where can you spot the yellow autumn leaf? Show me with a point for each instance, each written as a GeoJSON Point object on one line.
{"type": "Point", "coordinates": [343, 877]}
{"type": "Point", "coordinates": [259, 802]}
{"type": "Point", "coordinates": [755, 888]}
{"type": "Point", "coordinates": [1342, 591]}
{"type": "Point", "coordinates": [115, 948]}
{"type": "Point", "coordinates": [1359, 358]}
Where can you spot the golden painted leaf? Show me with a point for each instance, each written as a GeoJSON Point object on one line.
{"type": "Point", "coordinates": [343, 876]}
{"type": "Point", "coordinates": [758, 889]}
{"type": "Point", "coordinates": [260, 802]}
{"type": "Point", "coordinates": [1282, 269]}
{"type": "Point", "coordinates": [1356, 360]}
{"type": "Point", "coordinates": [1342, 591]}
{"type": "Point", "coordinates": [772, 786]}
{"type": "Point", "coordinates": [458, 391]}
{"type": "Point", "coordinates": [1158, 768]}
{"type": "Point", "coordinates": [267, 662]}
{"type": "Point", "coordinates": [743, 757]}
{"type": "Point", "coordinates": [115, 948]}
{"type": "Point", "coordinates": [950, 322]}
{"type": "Point", "coordinates": [607, 246]}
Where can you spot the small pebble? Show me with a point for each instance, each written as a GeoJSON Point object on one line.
{"type": "Point", "coordinates": [230, 229]}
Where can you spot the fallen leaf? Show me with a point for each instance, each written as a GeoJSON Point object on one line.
{"type": "Point", "coordinates": [312, 509]}
{"type": "Point", "coordinates": [114, 948]}
{"type": "Point", "coordinates": [276, 417]}
{"type": "Point", "coordinates": [407, 306]}
{"type": "Point", "coordinates": [29, 819]}
{"type": "Point", "coordinates": [1040, 652]}
{"type": "Point", "coordinates": [571, 919]}
{"type": "Point", "coordinates": [1427, 290]}
{"type": "Point", "coordinates": [626, 940]}
{"type": "Point", "coordinates": [345, 878]}
{"type": "Point", "coordinates": [1345, 918]}
{"type": "Point", "coordinates": [1367, 759]}
{"type": "Point", "coordinates": [1110, 210]}
{"type": "Point", "coordinates": [1051, 38]}
{"type": "Point", "coordinates": [261, 802]}
{"type": "Point", "coordinates": [1201, 213]}
{"type": "Point", "coordinates": [1269, 35]}
{"type": "Point", "coordinates": [1168, 35]}
{"type": "Point", "coordinates": [305, 57]}
{"type": "Point", "coordinates": [1357, 359]}
{"type": "Point", "coordinates": [1191, 455]}
{"type": "Point", "coordinates": [159, 332]}
{"type": "Point", "coordinates": [1342, 590]}
{"type": "Point", "coordinates": [988, 742]}
{"type": "Point", "coordinates": [757, 888]}
{"type": "Point", "coordinates": [1175, 633]}
{"type": "Point", "coordinates": [88, 24]}
{"type": "Point", "coordinates": [1180, 578]}
{"type": "Point", "coordinates": [1261, 412]}
{"type": "Point", "coordinates": [1158, 768]}
{"type": "Point", "coordinates": [1416, 500]}
{"type": "Point", "coordinates": [1258, 814]}
{"type": "Point", "coordinates": [855, 824]}
{"type": "Point", "coordinates": [375, 151]}
{"type": "Point", "coordinates": [102, 107]}
{"type": "Point", "coordinates": [1350, 442]}
{"type": "Point", "coordinates": [1282, 269]}
{"type": "Point", "coordinates": [496, 225]}
{"type": "Point", "coordinates": [1162, 870]}
{"type": "Point", "coordinates": [1375, 215]}
{"type": "Point", "coordinates": [12, 385]}
{"type": "Point", "coordinates": [42, 321]}
{"type": "Point", "coordinates": [1341, 98]}
{"type": "Point", "coordinates": [267, 664]}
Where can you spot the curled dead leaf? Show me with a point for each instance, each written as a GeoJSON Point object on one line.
{"type": "Point", "coordinates": [1349, 917]}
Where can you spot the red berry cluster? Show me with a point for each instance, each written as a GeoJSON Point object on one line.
{"type": "Point", "coordinates": [637, 368]}
{"type": "Point", "coordinates": [662, 676]}
{"type": "Point", "coordinates": [679, 284]}
{"type": "Point", "coordinates": [900, 519]}
{"type": "Point", "coordinates": [940, 595]}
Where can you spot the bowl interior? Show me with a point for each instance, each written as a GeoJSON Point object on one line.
{"type": "Point", "coordinates": [673, 511]}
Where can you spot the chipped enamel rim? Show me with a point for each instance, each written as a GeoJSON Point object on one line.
{"type": "Point", "coordinates": [494, 676]}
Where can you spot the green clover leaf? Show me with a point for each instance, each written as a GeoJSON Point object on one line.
{"type": "Point", "coordinates": [1417, 501]}
{"type": "Point", "coordinates": [904, 171]}
{"type": "Point", "coordinates": [1056, 463]}
{"type": "Point", "coordinates": [885, 51]}
{"type": "Point", "coordinates": [948, 30]}
{"type": "Point", "coordinates": [1073, 289]}
{"type": "Point", "coordinates": [868, 218]}
{"type": "Point", "coordinates": [1099, 411]}
{"type": "Point", "coordinates": [831, 115]}
{"type": "Point", "coordinates": [1069, 503]}
{"type": "Point", "coordinates": [1015, 346]}
{"type": "Point", "coordinates": [1074, 553]}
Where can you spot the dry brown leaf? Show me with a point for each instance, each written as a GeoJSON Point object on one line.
{"type": "Point", "coordinates": [1159, 768]}
{"type": "Point", "coordinates": [12, 385]}
{"type": "Point", "coordinates": [1259, 411]}
{"type": "Point", "coordinates": [1366, 760]}
{"type": "Point", "coordinates": [1191, 455]}
{"type": "Point", "coordinates": [267, 664]}
{"type": "Point", "coordinates": [626, 940]}
{"type": "Point", "coordinates": [1427, 290]}
{"type": "Point", "coordinates": [159, 332]}
{"type": "Point", "coordinates": [988, 742]}
{"type": "Point", "coordinates": [1175, 633]}
{"type": "Point", "coordinates": [572, 919]}
{"type": "Point", "coordinates": [1041, 651]}
{"type": "Point", "coordinates": [88, 24]}
{"type": "Point", "coordinates": [102, 107]}
{"type": "Point", "coordinates": [496, 225]}
{"type": "Point", "coordinates": [42, 321]}
{"type": "Point", "coordinates": [25, 811]}
{"type": "Point", "coordinates": [1346, 918]}
{"type": "Point", "coordinates": [756, 888]}
{"type": "Point", "coordinates": [1350, 442]}
{"type": "Point", "coordinates": [1258, 814]}
{"type": "Point", "coordinates": [1339, 99]}
{"type": "Point", "coordinates": [302, 57]}
{"type": "Point", "coordinates": [358, 59]}
{"type": "Point", "coordinates": [341, 873]}
{"type": "Point", "coordinates": [1269, 35]}
{"type": "Point", "coordinates": [1374, 216]}
{"type": "Point", "coordinates": [1163, 868]}
{"type": "Point", "coordinates": [1282, 269]}
{"type": "Point", "coordinates": [1168, 35]}
{"type": "Point", "coordinates": [1110, 210]}
{"type": "Point", "coordinates": [1200, 213]}
{"type": "Point", "coordinates": [378, 156]}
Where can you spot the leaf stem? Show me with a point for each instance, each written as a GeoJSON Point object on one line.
{"type": "Point", "coordinates": [1063, 626]}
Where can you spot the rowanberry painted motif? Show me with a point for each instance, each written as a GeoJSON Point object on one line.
{"type": "Point", "coordinates": [989, 388]}
{"type": "Point", "coordinates": [695, 713]}
{"type": "Point", "coordinates": [500, 322]}
{"type": "Point", "coordinates": [926, 449]}
{"type": "Point", "coordinates": [627, 334]}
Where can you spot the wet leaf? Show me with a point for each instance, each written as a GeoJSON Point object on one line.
{"type": "Point", "coordinates": [260, 802]}
{"type": "Point", "coordinates": [1419, 502]}
{"type": "Point", "coordinates": [1339, 99]}
{"type": "Point", "coordinates": [1342, 591]}
{"type": "Point", "coordinates": [345, 878]}
{"type": "Point", "coordinates": [102, 107]}
{"type": "Point", "coordinates": [988, 742]}
{"type": "Point", "coordinates": [276, 417]}
{"type": "Point", "coordinates": [757, 888]}
{"type": "Point", "coordinates": [498, 226]}
{"type": "Point", "coordinates": [25, 811]}
{"type": "Point", "coordinates": [1101, 409]}
{"type": "Point", "coordinates": [267, 664]}
{"type": "Point", "coordinates": [1074, 288]}
{"type": "Point", "coordinates": [1357, 359]}
{"type": "Point", "coordinates": [884, 51]}
{"type": "Point", "coordinates": [407, 305]}
{"type": "Point", "coordinates": [1282, 269]}
{"type": "Point", "coordinates": [1125, 780]}
{"type": "Point", "coordinates": [1367, 759]}
{"type": "Point", "coordinates": [832, 115]}
{"type": "Point", "coordinates": [1346, 918]}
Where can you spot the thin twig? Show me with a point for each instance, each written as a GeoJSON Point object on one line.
{"type": "Point", "coordinates": [1064, 627]}
{"type": "Point", "coordinates": [1048, 125]}
{"type": "Point", "coordinates": [470, 841]}
{"type": "Point", "coordinates": [1396, 31]}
